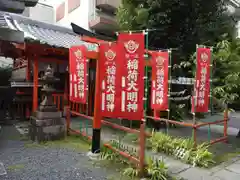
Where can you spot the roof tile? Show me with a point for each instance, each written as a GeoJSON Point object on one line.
{"type": "Point", "coordinates": [43, 32]}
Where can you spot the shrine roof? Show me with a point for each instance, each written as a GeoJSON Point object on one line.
{"type": "Point", "coordinates": [81, 31]}
{"type": "Point", "coordinates": [44, 33]}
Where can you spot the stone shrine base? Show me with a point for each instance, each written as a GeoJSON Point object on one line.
{"type": "Point", "coordinates": [47, 129]}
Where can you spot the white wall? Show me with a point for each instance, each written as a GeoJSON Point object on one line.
{"type": "Point", "coordinates": [78, 16]}
{"type": "Point", "coordinates": [42, 13]}
{"type": "Point", "coordinates": [45, 11]}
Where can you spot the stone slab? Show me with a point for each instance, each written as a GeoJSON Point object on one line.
{"type": "Point", "coordinates": [238, 161]}
{"type": "Point", "coordinates": [195, 174]}
{"type": "Point", "coordinates": [225, 175]}
{"type": "Point", "coordinates": [48, 115]}
{"type": "Point", "coordinates": [175, 166]}
{"type": "Point", "coordinates": [47, 133]}
{"type": "Point", "coordinates": [225, 164]}
{"type": "Point", "coordinates": [2, 170]}
{"type": "Point", "coordinates": [234, 168]}
{"type": "Point", "coordinates": [216, 178]}
{"type": "Point", "coordinates": [46, 122]}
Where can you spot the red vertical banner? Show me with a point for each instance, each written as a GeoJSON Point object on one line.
{"type": "Point", "coordinates": [78, 70]}
{"type": "Point", "coordinates": [109, 80]}
{"type": "Point", "coordinates": [131, 70]}
{"type": "Point", "coordinates": [159, 93]}
{"type": "Point", "coordinates": [202, 86]}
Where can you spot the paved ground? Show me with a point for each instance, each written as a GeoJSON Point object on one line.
{"type": "Point", "coordinates": [233, 124]}
{"type": "Point", "coordinates": [229, 170]}
{"type": "Point", "coordinates": [21, 162]}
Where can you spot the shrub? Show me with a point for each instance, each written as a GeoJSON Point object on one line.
{"type": "Point", "coordinates": [182, 149]}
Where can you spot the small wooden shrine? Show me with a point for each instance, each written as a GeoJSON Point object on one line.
{"type": "Point", "coordinates": [43, 44]}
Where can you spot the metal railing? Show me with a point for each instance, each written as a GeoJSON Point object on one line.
{"type": "Point", "coordinates": [111, 3]}
{"type": "Point", "coordinates": [99, 14]}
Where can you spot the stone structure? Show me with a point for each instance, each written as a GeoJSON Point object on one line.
{"type": "Point", "coordinates": [47, 122]}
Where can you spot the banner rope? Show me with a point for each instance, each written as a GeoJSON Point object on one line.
{"type": "Point", "coordinates": [139, 30]}
{"type": "Point", "coordinates": [178, 93]}
{"type": "Point", "coordinates": [180, 98]}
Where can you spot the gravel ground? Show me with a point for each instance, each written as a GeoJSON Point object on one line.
{"type": "Point", "coordinates": [44, 163]}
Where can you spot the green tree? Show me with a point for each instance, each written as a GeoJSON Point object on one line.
{"type": "Point", "coordinates": [226, 74]}
{"type": "Point", "coordinates": [225, 71]}
{"type": "Point", "coordinates": [182, 24]}
{"type": "Point", "coordinates": [179, 23]}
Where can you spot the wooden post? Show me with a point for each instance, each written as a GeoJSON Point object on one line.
{"type": "Point", "coordinates": [142, 149]}
{"type": "Point", "coordinates": [156, 122]}
{"type": "Point", "coordinates": [28, 78]}
{"type": "Point", "coordinates": [155, 113]}
{"type": "Point", "coordinates": [28, 70]}
{"type": "Point", "coordinates": [68, 115]}
{"type": "Point", "coordinates": [35, 86]}
{"type": "Point", "coordinates": [195, 135]}
{"type": "Point", "coordinates": [96, 136]}
{"type": "Point", "coordinates": [225, 122]}
{"type": "Point", "coordinates": [66, 89]}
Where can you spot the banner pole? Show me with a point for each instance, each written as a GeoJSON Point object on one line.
{"type": "Point", "coordinates": [194, 136]}
{"type": "Point", "coordinates": [169, 87]}
{"type": "Point", "coordinates": [87, 88]}
{"type": "Point", "coordinates": [146, 78]}
{"type": "Point", "coordinates": [143, 121]}
{"type": "Point", "coordinates": [211, 82]}
{"type": "Point", "coordinates": [210, 94]}
{"type": "Point", "coordinates": [96, 135]}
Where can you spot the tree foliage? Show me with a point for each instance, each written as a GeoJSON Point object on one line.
{"type": "Point", "coordinates": [178, 23]}
{"type": "Point", "coordinates": [181, 24]}
{"type": "Point", "coordinates": [226, 72]}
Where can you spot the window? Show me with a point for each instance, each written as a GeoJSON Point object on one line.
{"type": "Point", "coordinates": [60, 12]}
{"type": "Point", "coordinates": [73, 4]}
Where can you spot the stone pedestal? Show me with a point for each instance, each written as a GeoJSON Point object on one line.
{"type": "Point", "coordinates": [47, 128]}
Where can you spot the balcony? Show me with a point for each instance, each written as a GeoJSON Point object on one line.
{"type": "Point", "coordinates": [234, 3]}
{"type": "Point", "coordinates": [233, 11]}
{"type": "Point", "coordinates": [103, 22]}
{"type": "Point", "coordinates": [108, 5]}
{"type": "Point", "coordinates": [236, 13]}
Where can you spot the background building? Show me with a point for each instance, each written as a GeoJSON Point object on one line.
{"type": "Point", "coordinates": [61, 12]}
{"type": "Point", "coordinates": [102, 18]}
{"type": "Point", "coordinates": [234, 10]}
{"type": "Point", "coordinates": [16, 6]}
{"type": "Point", "coordinates": [95, 15]}
{"type": "Point", "coordinates": [13, 6]}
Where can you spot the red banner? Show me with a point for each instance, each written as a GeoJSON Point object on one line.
{"type": "Point", "coordinates": [202, 86]}
{"type": "Point", "coordinates": [160, 80]}
{"type": "Point", "coordinates": [131, 60]}
{"type": "Point", "coordinates": [78, 74]}
{"type": "Point", "coordinates": [110, 93]}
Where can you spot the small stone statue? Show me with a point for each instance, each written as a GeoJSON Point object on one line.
{"type": "Point", "coordinates": [47, 122]}
{"type": "Point", "coordinates": [48, 79]}
{"type": "Point", "coordinates": [48, 73]}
